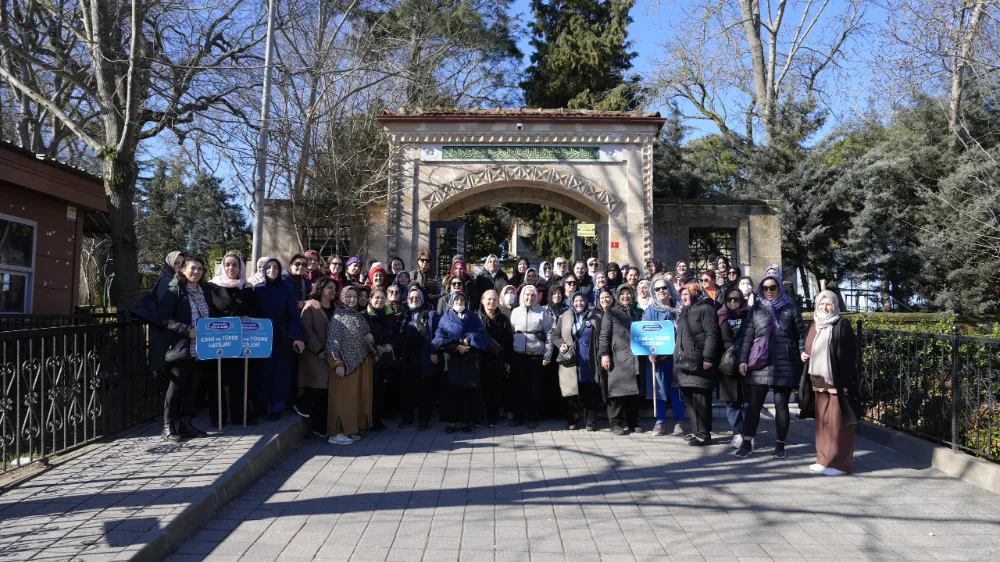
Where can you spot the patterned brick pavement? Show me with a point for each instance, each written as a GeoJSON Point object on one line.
{"type": "Point", "coordinates": [114, 498]}
{"type": "Point", "coordinates": [551, 495]}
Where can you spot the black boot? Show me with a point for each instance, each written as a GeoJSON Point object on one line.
{"type": "Point", "coordinates": [170, 431]}
{"type": "Point", "coordinates": [187, 429]}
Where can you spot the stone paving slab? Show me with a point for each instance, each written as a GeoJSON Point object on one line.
{"type": "Point", "coordinates": [552, 494]}
{"type": "Point", "coordinates": [121, 499]}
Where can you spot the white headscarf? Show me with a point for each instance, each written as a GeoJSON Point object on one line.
{"type": "Point", "coordinates": [820, 356]}
{"type": "Point", "coordinates": [223, 280]}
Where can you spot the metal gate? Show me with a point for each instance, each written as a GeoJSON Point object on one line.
{"type": "Point", "coordinates": [447, 239]}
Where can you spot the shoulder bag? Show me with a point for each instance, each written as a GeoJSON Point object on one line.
{"type": "Point", "coordinates": [761, 349]}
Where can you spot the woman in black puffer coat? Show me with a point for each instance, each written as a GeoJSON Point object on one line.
{"type": "Point", "coordinates": [696, 360]}
{"type": "Point", "coordinates": [624, 385]}
{"type": "Point", "coordinates": [773, 313]}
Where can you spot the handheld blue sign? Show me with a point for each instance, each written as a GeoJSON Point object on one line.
{"type": "Point", "coordinates": [257, 338]}
{"type": "Point", "coordinates": [653, 338]}
{"type": "Point", "coordinates": [219, 338]}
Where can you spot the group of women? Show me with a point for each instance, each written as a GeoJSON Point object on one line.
{"type": "Point", "coordinates": [485, 343]}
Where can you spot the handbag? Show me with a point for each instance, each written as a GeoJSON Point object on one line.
{"type": "Point", "coordinates": [493, 346]}
{"type": "Point", "coordinates": [806, 398]}
{"type": "Point", "coordinates": [729, 365]}
{"type": "Point", "coordinates": [569, 357]}
{"type": "Point", "coordinates": [761, 349]}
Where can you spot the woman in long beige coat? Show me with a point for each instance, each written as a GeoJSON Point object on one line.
{"type": "Point", "coordinates": [314, 371]}
{"type": "Point", "coordinates": [575, 329]}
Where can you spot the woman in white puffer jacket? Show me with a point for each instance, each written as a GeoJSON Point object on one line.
{"type": "Point", "coordinates": [531, 323]}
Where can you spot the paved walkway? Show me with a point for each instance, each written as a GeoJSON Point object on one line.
{"type": "Point", "coordinates": [115, 498]}
{"type": "Point", "coordinates": [510, 494]}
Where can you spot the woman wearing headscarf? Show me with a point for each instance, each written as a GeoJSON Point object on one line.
{"type": "Point", "coordinates": [624, 383]}
{"type": "Point", "coordinates": [662, 307]}
{"type": "Point", "coordinates": [314, 266]}
{"type": "Point", "coordinates": [497, 359]}
{"type": "Point", "coordinates": [683, 276]}
{"type": "Point", "coordinates": [349, 351]}
{"type": "Point", "coordinates": [396, 266]}
{"type": "Point", "coordinates": [544, 272]}
{"type": "Point", "coordinates": [584, 281]}
{"type": "Point", "coordinates": [508, 300]}
{"type": "Point", "coordinates": [259, 276]}
{"type": "Point", "coordinates": [696, 360]}
{"type": "Point", "coordinates": [732, 325]}
{"type": "Point", "coordinates": [462, 338]}
{"type": "Point", "coordinates": [352, 272]}
{"type": "Point", "coordinates": [552, 399]}
{"type": "Point", "coordinates": [384, 328]}
{"type": "Point", "coordinates": [277, 301]}
{"type": "Point", "coordinates": [773, 269]}
{"type": "Point", "coordinates": [531, 323]}
{"type": "Point", "coordinates": [531, 278]}
{"type": "Point", "coordinates": [157, 335]}
{"type": "Point", "coordinates": [577, 382]}
{"type": "Point", "coordinates": [613, 273]}
{"type": "Point", "coordinates": [492, 278]}
{"type": "Point", "coordinates": [452, 284]}
{"type": "Point", "coordinates": [644, 294]}
{"type": "Point", "coordinates": [745, 285]}
{"type": "Point", "coordinates": [232, 296]}
{"type": "Point", "coordinates": [600, 282]}
{"type": "Point", "coordinates": [519, 270]}
{"type": "Point", "coordinates": [777, 320]}
{"type": "Point", "coordinates": [421, 361]}
{"type": "Point", "coordinates": [403, 280]}
{"type": "Point", "coordinates": [833, 374]}
{"type": "Point", "coordinates": [314, 371]}
{"type": "Point", "coordinates": [181, 307]}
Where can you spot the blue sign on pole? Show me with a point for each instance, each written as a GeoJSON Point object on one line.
{"type": "Point", "coordinates": [219, 338]}
{"type": "Point", "coordinates": [257, 338]}
{"type": "Point", "coordinates": [653, 338]}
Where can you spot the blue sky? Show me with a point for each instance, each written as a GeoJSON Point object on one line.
{"type": "Point", "coordinates": [652, 23]}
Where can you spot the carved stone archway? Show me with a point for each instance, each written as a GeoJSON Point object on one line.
{"type": "Point", "coordinates": [598, 166]}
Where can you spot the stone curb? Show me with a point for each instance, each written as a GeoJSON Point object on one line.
{"type": "Point", "coordinates": [159, 543]}
{"type": "Point", "coordinates": [978, 472]}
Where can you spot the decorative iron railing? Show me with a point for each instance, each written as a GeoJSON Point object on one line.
{"type": "Point", "coordinates": [941, 387]}
{"type": "Point", "coordinates": [67, 386]}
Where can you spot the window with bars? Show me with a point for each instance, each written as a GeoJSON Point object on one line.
{"type": "Point", "coordinates": [705, 245]}
{"type": "Point", "coordinates": [17, 264]}
{"type": "Point", "coordinates": [329, 241]}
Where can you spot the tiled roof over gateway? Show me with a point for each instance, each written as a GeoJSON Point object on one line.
{"type": "Point", "coordinates": [517, 112]}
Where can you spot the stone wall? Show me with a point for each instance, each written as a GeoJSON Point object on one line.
{"type": "Point", "coordinates": [758, 232]}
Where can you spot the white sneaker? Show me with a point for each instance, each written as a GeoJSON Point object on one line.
{"type": "Point", "coordinates": [736, 442]}
{"type": "Point", "coordinates": [833, 472]}
{"type": "Point", "coordinates": [340, 439]}
{"type": "Point", "coordinates": [817, 467]}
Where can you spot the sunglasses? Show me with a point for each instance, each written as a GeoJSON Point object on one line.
{"type": "Point", "coordinates": [423, 260]}
{"type": "Point", "coordinates": [337, 263]}
{"type": "Point", "coordinates": [660, 289]}
{"type": "Point", "coordinates": [458, 284]}
{"type": "Point", "coordinates": [733, 299]}
{"type": "Point", "coordinates": [769, 288]}
{"type": "Point", "coordinates": [570, 282]}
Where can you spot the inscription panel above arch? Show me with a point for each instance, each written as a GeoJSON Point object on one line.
{"type": "Point", "coordinates": [533, 174]}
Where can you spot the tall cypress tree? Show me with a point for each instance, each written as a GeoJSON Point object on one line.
{"type": "Point", "coordinates": [581, 55]}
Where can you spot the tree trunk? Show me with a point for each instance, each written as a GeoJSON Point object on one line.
{"type": "Point", "coordinates": [120, 173]}
{"type": "Point", "coordinates": [751, 27]}
{"type": "Point", "coordinates": [966, 37]}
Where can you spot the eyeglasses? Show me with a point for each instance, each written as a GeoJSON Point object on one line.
{"type": "Point", "coordinates": [660, 289]}
{"type": "Point", "coordinates": [769, 288]}
{"type": "Point", "coordinates": [733, 299]}
{"type": "Point", "coordinates": [299, 264]}
{"type": "Point", "coordinates": [706, 280]}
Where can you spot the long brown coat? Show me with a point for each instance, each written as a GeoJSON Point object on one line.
{"type": "Point", "coordinates": [313, 368]}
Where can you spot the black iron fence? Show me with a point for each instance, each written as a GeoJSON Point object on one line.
{"type": "Point", "coordinates": [941, 387]}
{"type": "Point", "coordinates": [66, 386]}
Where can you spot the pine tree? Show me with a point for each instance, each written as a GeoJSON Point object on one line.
{"type": "Point", "coordinates": [554, 232]}
{"type": "Point", "coordinates": [158, 227]}
{"type": "Point", "coordinates": [581, 55]}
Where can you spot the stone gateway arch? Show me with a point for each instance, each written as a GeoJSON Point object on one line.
{"type": "Point", "coordinates": [595, 165]}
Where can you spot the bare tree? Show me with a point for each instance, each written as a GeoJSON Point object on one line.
{"type": "Point", "coordinates": [145, 66]}
{"type": "Point", "coordinates": [932, 46]}
{"type": "Point", "coordinates": [732, 61]}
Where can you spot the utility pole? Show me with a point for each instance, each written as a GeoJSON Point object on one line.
{"type": "Point", "coordinates": [265, 119]}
